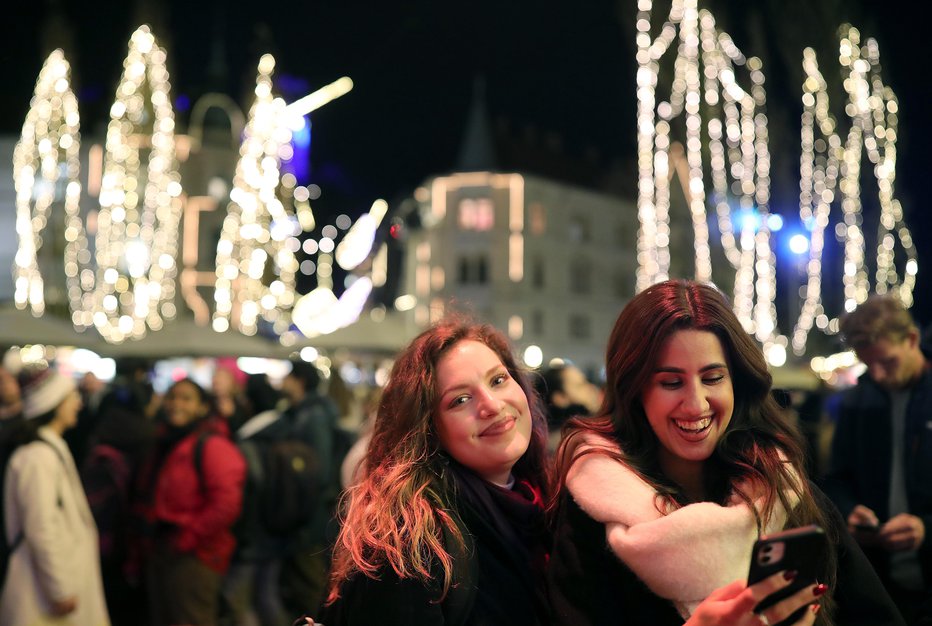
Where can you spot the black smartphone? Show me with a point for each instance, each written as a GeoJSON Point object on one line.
{"type": "Point", "coordinates": [802, 550]}
{"type": "Point", "coordinates": [867, 528]}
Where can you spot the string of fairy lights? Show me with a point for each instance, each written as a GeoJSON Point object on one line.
{"type": "Point", "coordinates": [830, 167]}
{"type": "Point", "coordinates": [711, 106]}
{"type": "Point", "coordinates": [122, 282]}
{"type": "Point", "coordinates": [46, 166]}
{"type": "Point", "coordinates": [705, 71]}
{"type": "Point", "coordinates": [735, 124]}
{"type": "Point", "coordinates": [140, 202]}
{"type": "Point", "coordinates": [258, 236]}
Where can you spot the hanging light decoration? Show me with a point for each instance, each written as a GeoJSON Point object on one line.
{"type": "Point", "coordinates": [46, 168]}
{"type": "Point", "coordinates": [140, 202]}
{"type": "Point", "coordinates": [256, 261]}
{"type": "Point", "coordinates": [705, 68]}
{"type": "Point", "coordinates": [828, 166]}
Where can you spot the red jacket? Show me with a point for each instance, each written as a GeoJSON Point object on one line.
{"type": "Point", "coordinates": [202, 515]}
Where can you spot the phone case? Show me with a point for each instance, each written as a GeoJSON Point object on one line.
{"type": "Point", "coordinates": [801, 550]}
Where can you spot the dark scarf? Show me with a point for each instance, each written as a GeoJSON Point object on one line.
{"type": "Point", "coordinates": [516, 515]}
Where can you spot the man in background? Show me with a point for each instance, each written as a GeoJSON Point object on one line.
{"type": "Point", "coordinates": [311, 417]}
{"type": "Point", "coordinates": [881, 462]}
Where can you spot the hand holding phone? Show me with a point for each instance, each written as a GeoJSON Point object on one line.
{"type": "Point", "coordinates": [799, 550]}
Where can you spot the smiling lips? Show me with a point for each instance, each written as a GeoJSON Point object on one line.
{"type": "Point", "coordinates": [693, 427]}
{"type": "Point", "coordinates": [499, 427]}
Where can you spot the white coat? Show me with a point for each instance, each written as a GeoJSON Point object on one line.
{"type": "Point", "coordinates": [59, 556]}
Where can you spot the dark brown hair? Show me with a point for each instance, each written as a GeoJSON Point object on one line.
{"type": "Point", "coordinates": [759, 447]}
{"type": "Point", "coordinates": [878, 317]}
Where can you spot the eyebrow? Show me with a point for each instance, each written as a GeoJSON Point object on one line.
{"type": "Point", "coordinates": [678, 370]}
{"type": "Point", "coordinates": [489, 372]}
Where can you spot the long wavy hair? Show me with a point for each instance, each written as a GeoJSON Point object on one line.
{"type": "Point", "coordinates": [759, 447]}
{"type": "Point", "coordinates": [399, 513]}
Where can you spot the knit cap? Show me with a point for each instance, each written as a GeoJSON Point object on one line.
{"type": "Point", "coordinates": [43, 389]}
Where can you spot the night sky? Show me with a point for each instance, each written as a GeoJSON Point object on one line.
{"type": "Point", "coordinates": [562, 70]}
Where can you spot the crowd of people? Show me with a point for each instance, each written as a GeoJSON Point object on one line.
{"type": "Point", "coordinates": [477, 492]}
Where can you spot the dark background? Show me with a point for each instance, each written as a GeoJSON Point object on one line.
{"type": "Point", "coordinates": [558, 75]}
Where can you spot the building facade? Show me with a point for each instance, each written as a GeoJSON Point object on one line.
{"type": "Point", "coordinates": [549, 263]}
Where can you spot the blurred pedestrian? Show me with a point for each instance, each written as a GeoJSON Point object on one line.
{"type": "Point", "coordinates": [54, 568]}
{"type": "Point", "coordinates": [251, 588]}
{"type": "Point", "coordinates": [190, 495]}
{"type": "Point", "coordinates": [311, 417]}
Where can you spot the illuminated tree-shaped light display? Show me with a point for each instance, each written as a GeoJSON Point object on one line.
{"type": "Point", "coordinates": [257, 253]}
{"type": "Point", "coordinates": [140, 202]}
{"type": "Point", "coordinates": [256, 261]}
{"type": "Point", "coordinates": [705, 71]}
{"type": "Point", "coordinates": [45, 172]}
{"type": "Point", "coordinates": [830, 167]}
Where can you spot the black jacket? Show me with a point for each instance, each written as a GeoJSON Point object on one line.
{"type": "Point", "coordinates": [859, 471]}
{"type": "Point", "coordinates": [497, 585]}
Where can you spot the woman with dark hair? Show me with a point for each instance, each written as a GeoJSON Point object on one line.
{"type": "Point", "coordinates": [665, 490]}
{"type": "Point", "coordinates": [53, 574]}
{"type": "Point", "coordinates": [190, 496]}
{"type": "Point", "coordinates": [447, 525]}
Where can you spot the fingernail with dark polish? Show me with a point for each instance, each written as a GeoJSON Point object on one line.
{"type": "Point", "coordinates": [820, 589]}
{"type": "Point", "coordinates": [815, 608]}
{"type": "Point", "coordinates": [790, 574]}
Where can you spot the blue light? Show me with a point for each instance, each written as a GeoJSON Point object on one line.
{"type": "Point", "coordinates": [747, 219]}
{"type": "Point", "coordinates": [300, 164]}
{"type": "Point", "coordinates": [774, 222]}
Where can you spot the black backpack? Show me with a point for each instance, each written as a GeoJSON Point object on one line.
{"type": "Point", "coordinates": [282, 484]}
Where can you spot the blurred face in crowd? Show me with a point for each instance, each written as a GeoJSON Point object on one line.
{"type": "Point", "coordinates": [893, 364]}
{"type": "Point", "coordinates": [483, 419]}
{"type": "Point", "coordinates": [224, 383]}
{"type": "Point", "coordinates": [689, 400]}
{"type": "Point", "coordinates": [577, 390]}
{"type": "Point", "coordinates": [183, 404]}
{"type": "Point", "coordinates": [293, 388]}
{"type": "Point", "coordinates": [9, 388]}
{"type": "Point", "coordinates": [66, 414]}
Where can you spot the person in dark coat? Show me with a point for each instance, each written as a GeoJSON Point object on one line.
{"type": "Point", "coordinates": [881, 461]}
{"type": "Point", "coordinates": [310, 418]}
{"type": "Point", "coordinates": [121, 440]}
{"type": "Point", "coordinates": [251, 588]}
{"type": "Point", "coordinates": [665, 492]}
{"type": "Point", "coordinates": [447, 525]}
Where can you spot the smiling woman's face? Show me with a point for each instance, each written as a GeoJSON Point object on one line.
{"type": "Point", "coordinates": [482, 419]}
{"type": "Point", "coordinates": [689, 401]}
{"type": "Point", "coordinates": [183, 404]}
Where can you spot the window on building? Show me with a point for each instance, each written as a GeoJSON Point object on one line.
{"type": "Point", "coordinates": [578, 229]}
{"type": "Point", "coordinates": [537, 273]}
{"type": "Point", "coordinates": [537, 323]}
{"type": "Point", "coordinates": [462, 270]}
{"type": "Point", "coordinates": [476, 214]}
{"type": "Point", "coordinates": [624, 283]}
{"type": "Point", "coordinates": [580, 276]}
{"type": "Point", "coordinates": [538, 218]}
{"type": "Point", "coordinates": [580, 328]}
{"type": "Point", "coordinates": [473, 270]}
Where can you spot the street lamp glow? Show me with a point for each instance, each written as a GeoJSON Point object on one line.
{"type": "Point", "coordinates": [533, 356]}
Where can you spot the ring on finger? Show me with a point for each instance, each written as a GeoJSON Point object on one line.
{"type": "Point", "coordinates": [763, 619]}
